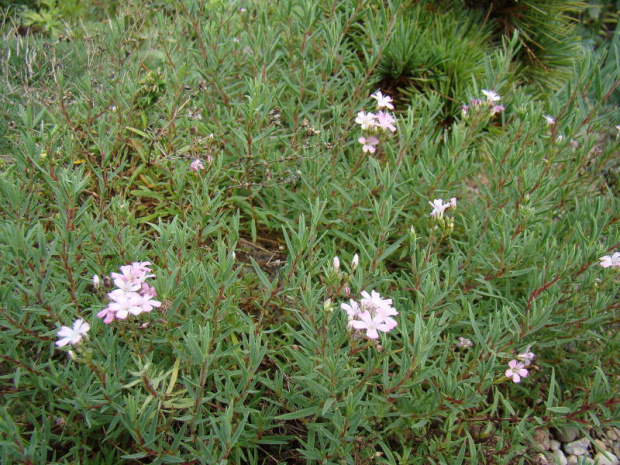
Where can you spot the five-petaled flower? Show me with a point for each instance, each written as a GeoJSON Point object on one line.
{"type": "Point", "coordinates": [368, 144]}
{"type": "Point", "coordinates": [383, 101]}
{"type": "Point", "coordinates": [366, 120]}
{"type": "Point", "coordinates": [72, 335]}
{"type": "Point", "coordinates": [491, 96]}
{"type": "Point", "coordinates": [516, 370]}
{"type": "Point", "coordinates": [612, 261]}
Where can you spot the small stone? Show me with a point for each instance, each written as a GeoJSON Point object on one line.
{"type": "Point", "coordinates": [606, 458]}
{"type": "Point", "coordinates": [566, 434]}
{"type": "Point", "coordinates": [541, 436]}
{"type": "Point", "coordinates": [611, 434]}
{"type": "Point", "coordinates": [579, 447]}
{"type": "Point", "coordinates": [541, 460]}
{"type": "Point", "coordinates": [560, 457]}
{"type": "Point", "coordinates": [599, 444]}
{"type": "Point", "coordinates": [554, 445]}
{"type": "Point", "coordinates": [572, 460]}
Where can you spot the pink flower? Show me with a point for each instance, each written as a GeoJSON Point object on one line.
{"type": "Point", "coordinates": [386, 121]}
{"type": "Point", "coordinates": [495, 109]}
{"type": "Point", "coordinates": [383, 101]}
{"type": "Point", "coordinates": [611, 260]}
{"type": "Point", "coordinates": [145, 303]}
{"type": "Point", "coordinates": [368, 144]}
{"type": "Point", "coordinates": [72, 335]}
{"type": "Point", "coordinates": [527, 356]}
{"type": "Point", "coordinates": [196, 165]}
{"type": "Point", "coordinates": [516, 370]}
{"type": "Point", "coordinates": [465, 111]}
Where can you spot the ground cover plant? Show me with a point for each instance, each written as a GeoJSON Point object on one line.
{"type": "Point", "coordinates": [236, 232]}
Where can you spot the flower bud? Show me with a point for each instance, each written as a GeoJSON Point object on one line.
{"type": "Point", "coordinates": [355, 262]}
{"type": "Point", "coordinates": [336, 263]}
{"type": "Point", "coordinates": [96, 282]}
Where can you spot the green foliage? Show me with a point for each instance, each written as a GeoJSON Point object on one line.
{"type": "Point", "coordinates": [51, 16]}
{"type": "Point", "coordinates": [546, 28]}
{"type": "Point", "coordinates": [250, 358]}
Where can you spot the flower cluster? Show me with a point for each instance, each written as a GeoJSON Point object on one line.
{"type": "Point", "coordinates": [516, 369]}
{"type": "Point", "coordinates": [133, 295]}
{"type": "Point", "coordinates": [491, 102]}
{"type": "Point", "coordinates": [464, 342]}
{"type": "Point", "coordinates": [373, 313]}
{"type": "Point", "coordinates": [611, 261]}
{"type": "Point", "coordinates": [373, 124]}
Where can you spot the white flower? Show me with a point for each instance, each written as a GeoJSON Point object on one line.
{"type": "Point", "coordinates": [464, 342]}
{"type": "Point", "coordinates": [439, 207]}
{"type": "Point", "coordinates": [366, 120]}
{"type": "Point", "coordinates": [383, 101]}
{"type": "Point", "coordinates": [550, 120]}
{"type": "Point", "coordinates": [491, 96]}
{"type": "Point", "coordinates": [72, 335]}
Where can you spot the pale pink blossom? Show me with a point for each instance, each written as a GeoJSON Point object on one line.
{"type": "Point", "coordinates": [72, 335]}
{"type": "Point", "coordinates": [495, 109]}
{"type": "Point", "coordinates": [612, 261]}
{"type": "Point", "coordinates": [465, 111]}
{"type": "Point", "coordinates": [453, 202]}
{"type": "Point", "coordinates": [464, 342]}
{"type": "Point", "coordinates": [516, 370]}
{"type": "Point", "coordinates": [372, 324]}
{"type": "Point", "coordinates": [386, 121]}
{"type": "Point", "coordinates": [383, 101]}
{"type": "Point", "coordinates": [196, 165]}
{"type": "Point", "coordinates": [549, 119]}
{"type": "Point", "coordinates": [369, 144]}
{"type": "Point", "coordinates": [526, 356]}
{"type": "Point", "coordinates": [146, 303]}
